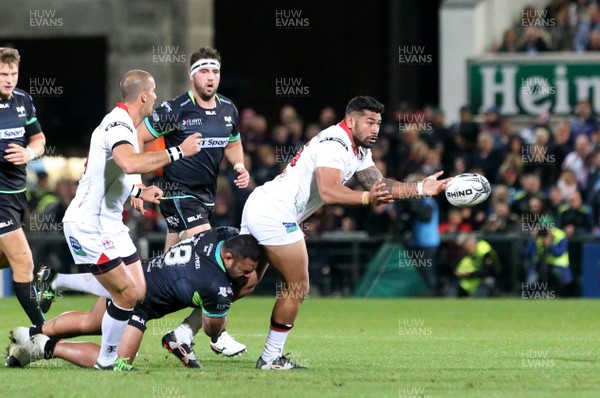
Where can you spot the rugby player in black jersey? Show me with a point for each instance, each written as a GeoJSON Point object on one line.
{"type": "Point", "coordinates": [21, 140]}
{"type": "Point", "coordinates": [189, 186]}
{"type": "Point", "coordinates": [202, 272]}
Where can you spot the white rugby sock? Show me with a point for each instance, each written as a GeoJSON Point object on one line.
{"type": "Point", "coordinates": [184, 334]}
{"type": "Point", "coordinates": [79, 282]}
{"type": "Point", "coordinates": [274, 345]}
{"type": "Point", "coordinates": [114, 322]}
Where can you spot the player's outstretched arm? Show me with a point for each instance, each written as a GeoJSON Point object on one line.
{"type": "Point", "coordinates": [332, 192]}
{"type": "Point", "coordinates": [139, 163]}
{"type": "Point", "coordinates": [431, 186]}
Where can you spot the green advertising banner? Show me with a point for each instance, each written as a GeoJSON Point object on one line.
{"type": "Point", "coordinates": [531, 85]}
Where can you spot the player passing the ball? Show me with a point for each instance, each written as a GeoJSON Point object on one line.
{"type": "Point", "coordinates": [317, 176]}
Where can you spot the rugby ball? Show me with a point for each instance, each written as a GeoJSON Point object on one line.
{"type": "Point", "coordinates": [468, 189]}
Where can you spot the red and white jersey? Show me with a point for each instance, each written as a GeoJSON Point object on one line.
{"type": "Point", "coordinates": [296, 187]}
{"type": "Point", "coordinates": [104, 186]}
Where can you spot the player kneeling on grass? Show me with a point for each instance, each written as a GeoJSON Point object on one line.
{"type": "Point", "coordinates": [202, 271]}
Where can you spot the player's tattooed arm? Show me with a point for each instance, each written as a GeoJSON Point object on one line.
{"type": "Point", "coordinates": [370, 175]}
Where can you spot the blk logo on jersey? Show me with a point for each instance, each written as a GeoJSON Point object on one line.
{"type": "Point", "coordinates": [5, 224]}
{"type": "Point", "coordinates": [194, 218]}
{"type": "Point", "coordinates": [211, 113]}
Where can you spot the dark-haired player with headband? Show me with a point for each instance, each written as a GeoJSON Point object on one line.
{"type": "Point", "coordinates": [190, 185]}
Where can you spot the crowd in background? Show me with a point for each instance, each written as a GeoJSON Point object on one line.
{"type": "Point", "coordinates": [564, 25]}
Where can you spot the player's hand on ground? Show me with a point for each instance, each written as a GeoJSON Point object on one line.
{"type": "Point", "coordinates": [432, 186]}
{"type": "Point", "coordinates": [152, 194]}
{"type": "Point", "coordinates": [243, 178]}
{"type": "Point", "coordinates": [138, 204]}
{"type": "Point", "coordinates": [379, 194]}
{"type": "Point", "coordinates": [191, 145]}
{"type": "Point", "coordinates": [17, 155]}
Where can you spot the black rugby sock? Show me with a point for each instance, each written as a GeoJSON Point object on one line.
{"type": "Point", "coordinates": [26, 294]}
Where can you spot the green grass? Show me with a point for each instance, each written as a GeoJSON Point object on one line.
{"type": "Point", "coordinates": [354, 348]}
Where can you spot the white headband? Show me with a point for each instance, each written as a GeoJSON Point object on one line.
{"type": "Point", "coordinates": [202, 63]}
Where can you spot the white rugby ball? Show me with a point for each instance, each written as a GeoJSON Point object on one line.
{"type": "Point", "coordinates": [468, 189]}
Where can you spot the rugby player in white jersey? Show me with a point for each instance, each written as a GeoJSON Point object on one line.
{"type": "Point", "coordinates": [316, 176]}
{"type": "Point", "coordinates": [93, 225]}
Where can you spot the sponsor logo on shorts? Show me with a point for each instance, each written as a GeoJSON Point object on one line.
{"type": "Point", "coordinates": [194, 218]}
{"type": "Point", "coordinates": [76, 246]}
{"type": "Point", "coordinates": [5, 224]}
{"type": "Point", "coordinates": [214, 142]}
{"type": "Point", "coordinates": [173, 221]}
{"type": "Point", "coordinates": [108, 244]}
{"type": "Point", "coordinates": [290, 227]}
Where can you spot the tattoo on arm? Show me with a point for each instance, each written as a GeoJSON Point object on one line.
{"type": "Point", "coordinates": [369, 176]}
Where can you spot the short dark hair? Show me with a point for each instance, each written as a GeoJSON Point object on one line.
{"type": "Point", "coordinates": [242, 246]}
{"type": "Point", "coordinates": [205, 52]}
{"type": "Point", "coordinates": [364, 103]}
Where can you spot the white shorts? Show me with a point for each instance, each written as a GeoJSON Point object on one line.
{"type": "Point", "coordinates": [269, 221]}
{"type": "Point", "coordinates": [90, 245]}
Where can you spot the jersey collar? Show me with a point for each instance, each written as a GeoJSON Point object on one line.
{"type": "Point", "coordinates": [191, 95]}
{"type": "Point", "coordinates": [218, 256]}
{"type": "Point", "coordinates": [345, 127]}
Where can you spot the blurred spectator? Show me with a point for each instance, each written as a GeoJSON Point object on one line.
{"type": "Point", "coordinates": [312, 130]}
{"type": "Point", "coordinates": [456, 222]}
{"type": "Point", "coordinates": [41, 196]}
{"type": "Point", "coordinates": [477, 271]}
{"type": "Point", "coordinates": [533, 42]}
{"type": "Point", "coordinates": [287, 115]}
{"type": "Point", "coordinates": [575, 217]}
{"type": "Point", "coordinates": [465, 132]}
{"type": "Point", "coordinates": [567, 184]}
{"type": "Point", "coordinates": [531, 188]}
{"type": "Point", "coordinates": [562, 34]}
{"type": "Point", "coordinates": [594, 42]}
{"type": "Point", "coordinates": [501, 219]}
{"type": "Point", "coordinates": [509, 41]}
{"type": "Point", "coordinates": [425, 242]}
{"type": "Point", "coordinates": [513, 159]}
{"type": "Point", "coordinates": [577, 160]}
{"type": "Point", "coordinates": [585, 121]}
{"type": "Point", "coordinates": [491, 126]}
{"type": "Point", "coordinates": [486, 157]}
{"type": "Point", "coordinates": [555, 201]}
{"type": "Point", "coordinates": [547, 253]}
{"type": "Point", "coordinates": [587, 22]}
{"type": "Point", "coordinates": [327, 118]}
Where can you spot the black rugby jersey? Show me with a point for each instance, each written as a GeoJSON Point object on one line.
{"type": "Point", "coordinates": [18, 122]}
{"type": "Point", "coordinates": [177, 119]}
{"type": "Point", "coordinates": [190, 274]}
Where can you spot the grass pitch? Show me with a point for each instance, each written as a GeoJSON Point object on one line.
{"type": "Point", "coordinates": [353, 348]}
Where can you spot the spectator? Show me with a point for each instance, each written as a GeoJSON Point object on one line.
{"type": "Point", "coordinates": [547, 253]}
{"type": "Point", "coordinates": [457, 221]}
{"type": "Point", "coordinates": [465, 132]}
{"type": "Point", "coordinates": [577, 160]}
{"type": "Point", "coordinates": [509, 41]}
{"type": "Point", "coordinates": [532, 42]}
{"type": "Point", "coordinates": [486, 157]}
{"type": "Point", "coordinates": [562, 34]}
{"type": "Point", "coordinates": [531, 188]}
{"type": "Point", "coordinates": [585, 121]}
{"type": "Point", "coordinates": [501, 219]}
{"type": "Point", "coordinates": [477, 271]}
{"type": "Point", "coordinates": [327, 118]}
{"type": "Point", "coordinates": [567, 184]}
{"type": "Point", "coordinates": [575, 217]}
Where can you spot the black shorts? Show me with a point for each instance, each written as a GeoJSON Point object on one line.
{"type": "Point", "coordinates": [184, 213]}
{"type": "Point", "coordinates": [147, 311]}
{"type": "Point", "coordinates": [12, 211]}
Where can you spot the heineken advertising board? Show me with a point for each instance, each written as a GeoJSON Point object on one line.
{"type": "Point", "coordinates": [525, 85]}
